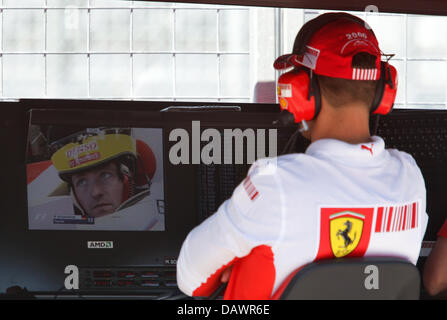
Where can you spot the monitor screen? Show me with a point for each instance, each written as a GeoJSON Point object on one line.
{"type": "Point", "coordinates": [66, 157]}
{"type": "Point", "coordinates": [103, 178]}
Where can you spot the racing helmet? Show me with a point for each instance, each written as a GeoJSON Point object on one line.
{"type": "Point", "coordinates": [90, 148]}
{"type": "Point", "coordinates": [94, 147]}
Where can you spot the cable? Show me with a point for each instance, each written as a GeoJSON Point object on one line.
{"type": "Point", "coordinates": [291, 143]}
{"type": "Point", "coordinates": [376, 125]}
{"type": "Point", "coordinates": [286, 118]}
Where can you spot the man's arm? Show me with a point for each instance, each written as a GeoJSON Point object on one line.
{"type": "Point", "coordinates": [250, 218]}
{"type": "Point", "coordinates": [435, 269]}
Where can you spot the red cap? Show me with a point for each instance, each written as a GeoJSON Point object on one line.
{"type": "Point", "coordinates": [330, 49]}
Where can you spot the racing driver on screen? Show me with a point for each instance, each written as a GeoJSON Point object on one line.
{"type": "Point", "coordinates": [106, 169]}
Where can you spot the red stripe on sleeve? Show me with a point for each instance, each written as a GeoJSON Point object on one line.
{"type": "Point", "coordinates": [413, 218]}
{"type": "Point", "coordinates": [401, 217]}
{"type": "Point", "coordinates": [390, 216]}
{"type": "Point", "coordinates": [404, 224]}
{"type": "Point", "coordinates": [379, 219]}
{"type": "Point", "coordinates": [417, 216]}
{"type": "Point", "coordinates": [250, 189]}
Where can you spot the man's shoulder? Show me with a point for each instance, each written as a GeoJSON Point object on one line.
{"type": "Point", "coordinates": [269, 174]}
{"type": "Point", "coordinates": [269, 165]}
{"type": "Point", "coordinates": [402, 156]}
{"type": "Point", "coordinates": [264, 179]}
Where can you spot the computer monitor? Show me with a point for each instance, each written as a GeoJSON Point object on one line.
{"type": "Point", "coordinates": [94, 179]}
{"type": "Point", "coordinates": [64, 154]}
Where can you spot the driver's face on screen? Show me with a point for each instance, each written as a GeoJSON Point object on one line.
{"type": "Point", "coordinates": [100, 190]}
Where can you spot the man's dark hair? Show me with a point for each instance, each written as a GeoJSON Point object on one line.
{"type": "Point", "coordinates": [340, 92]}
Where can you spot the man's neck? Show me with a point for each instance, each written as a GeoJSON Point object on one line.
{"type": "Point", "coordinates": [349, 124]}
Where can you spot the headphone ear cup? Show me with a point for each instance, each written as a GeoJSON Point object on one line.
{"type": "Point", "coordinates": [386, 90]}
{"type": "Point", "coordinates": [299, 95]}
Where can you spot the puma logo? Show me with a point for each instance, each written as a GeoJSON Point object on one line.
{"type": "Point", "coordinates": [367, 148]}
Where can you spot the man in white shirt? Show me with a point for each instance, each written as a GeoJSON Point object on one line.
{"type": "Point", "coordinates": [346, 196]}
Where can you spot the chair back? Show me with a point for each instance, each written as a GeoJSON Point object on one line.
{"type": "Point", "coordinates": [355, 279]}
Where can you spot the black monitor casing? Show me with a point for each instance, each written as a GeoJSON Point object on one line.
{"type": "Point", "coordinates": [36, 259]}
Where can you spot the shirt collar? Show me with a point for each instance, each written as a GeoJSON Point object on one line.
{"type": "Point", "coordinates": [337, 150]}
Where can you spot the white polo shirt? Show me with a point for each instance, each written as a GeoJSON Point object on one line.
{"type": "Point", "coordinates": [335, 200]}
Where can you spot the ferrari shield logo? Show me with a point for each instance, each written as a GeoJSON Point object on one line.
{"type": "Point", "coordinates": [345, 232]}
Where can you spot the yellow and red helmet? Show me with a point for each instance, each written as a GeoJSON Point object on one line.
{"type": "Point", "coordinates": [93, 147]}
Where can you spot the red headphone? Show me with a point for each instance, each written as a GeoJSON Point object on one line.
{"type": "Point", "coordinates": [299, 92]}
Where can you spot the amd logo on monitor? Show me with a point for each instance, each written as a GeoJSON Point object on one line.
{"type": "Point", "coordinates": [100, 244]}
